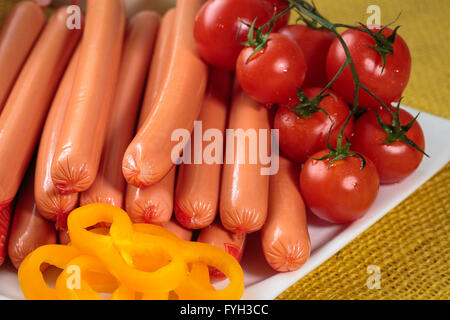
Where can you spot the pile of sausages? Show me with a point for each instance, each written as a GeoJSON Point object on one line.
{"type": "Point", "coordinates": [90, 112]}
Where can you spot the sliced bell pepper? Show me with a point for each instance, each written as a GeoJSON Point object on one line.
{"type": "Point", "coordinates": [117, 251]}
{"type": "Point", "coordinates": [31, 278]}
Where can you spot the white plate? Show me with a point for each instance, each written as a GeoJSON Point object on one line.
{"type": "Point", "coordinates": [261, 282]}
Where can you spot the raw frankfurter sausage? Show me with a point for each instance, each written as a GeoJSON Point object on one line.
{"type": "Point", "coordinates": [78, 152]}
{"type": "Point", "coordinates": [158, 66]}
{"type": "Point", "coordinates": [180, 231]}
{"type": "Point", "coordinates": [29, 229]}
{"type": "Point", "coordinates": [50, 203]}
{"type": "Point", "coordinates": [245, 191]}
{"type": "Point", "coordinates": [215, 234]}
{"type": "Point", "coordinates": [26, 108]}
{"type": "Point", "coordinates": [285, 237]}
{"type": "Point", "coordinates": [17, 37]}
{"type": "Point", "coordinates": [109, 185]}
{"type": "Point", "coordinates": [148, 159]}
{"type": "Point", "coordinates": [154, 204]}
{"type": "Point", "coordinates": [198, 185]}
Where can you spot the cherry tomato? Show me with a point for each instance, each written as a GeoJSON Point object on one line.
{"type": "Point", "coordinates": [217, 25]}
{"type": "Point", "coordinates": [278, 6]}
{"type": "Point", "coordinates": [387, 84]}
{"type": "Point", "coordinates": [274, 72]}
{"type": "Point", "coordinates": [301, 138]}
{"type": "Point", "coordinates": [314, 44]}
{"type": "Point", "coordinates": [394, 161]}
{"type": "Point", "coordinates": [342, 192]}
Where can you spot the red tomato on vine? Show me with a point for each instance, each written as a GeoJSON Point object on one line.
{"type": "Point", "coordinates": [392, 146]}
{"type": "Point", "coordinates": [304, 125]}
{"type": "Point", "coordinates": [382, 61]}
{"type": "Point", "coordinates": [272, 73]}
{"type": "Point", "coordinates": [339, 191]}
{"type": "Point", "coordinates": [217, 25]}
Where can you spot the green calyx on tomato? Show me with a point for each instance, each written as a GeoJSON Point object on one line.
{"type": "Point", "coordinates": [396, 132]}
{"type": "Point", "coordinates": [257, 38]}
{"type": "Point", "coordinates": [341, 152]}
{"type": "Point", "coordinates": [308, 106]}
{"type": "Point", "coordinates": [383, 45]}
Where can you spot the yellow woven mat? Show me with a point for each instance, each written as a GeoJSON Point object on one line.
{"type": "Point", "coordinates": [411, 243]}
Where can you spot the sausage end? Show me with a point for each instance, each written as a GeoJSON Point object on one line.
{"type": "Point", "coordinates": [194, 215]}
{"type": "Point", "coordinates": [70, 177]}
{"type": "Point", "coordinates": [242, 220]}
{"type": "Point", "coordinates": [150, 211]}
{"type": "Point", "coordinates": [51, 204]}
{"type": "Point", "coordinates": [139, 174]}
{"type": "Point", "coordinates": [286, 256]}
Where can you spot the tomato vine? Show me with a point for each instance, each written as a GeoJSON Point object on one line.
{"type": "Point", "coordinates": [310, 15]}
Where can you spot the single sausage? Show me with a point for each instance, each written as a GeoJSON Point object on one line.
{"type": "Point", "coordinates": [180, 231]}
{"type": "Point", "coordinates": [148, 159]}
{"type": "Point", "coordinates": [215, 234]}
{"type": "Point", "coordinates": [78, 152]}
{"type": "Point", "coordinates": [154, 204]}
{"type": "Point", "coordinates": [109, 185]}
{"type": "Point", "coordinates": [198, 185]}
{"type": "Point", "coordinates": [19, 33]}
{"type": "Point", "coordinates": [29, 229]}
{"type": "Point", "coordinates": [5, 217]}
{"type": "Point", "coordinates": [158, 65]}
{"type": "Point", "coordinates": [51, 204]}
{"type": "Point", "coordinates": [285, 237]}
{"type": "Point", "coordinates": [26, 108]}
{"type": "Point", "coordinates": [245, 190]}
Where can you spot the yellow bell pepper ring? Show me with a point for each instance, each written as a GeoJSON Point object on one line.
{"type": "Point", "coordinates": [128, 261]}
{"type": "Point", "coordinates": [73, 284]}
{"type": "Point", "coordinates": [30, 276]}
{"type": "Point", "coordinates": [117, 251]}
{"type": "Point", "coordinates": [90, 215]}
{"type": "Point", "coordinates": [199, 273]}
{"type": "Point", "coordinates": [195, 252]}
{"type": "Point", "coordinates": [165, 256]}
{"type": "Point", "coordinates": [221, 260]}
{"type": "Point", "coordinates": [100, 282]}
{"type": "Point", "coordinates": [68, 291]}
